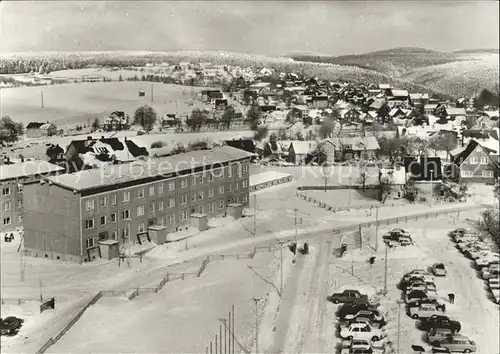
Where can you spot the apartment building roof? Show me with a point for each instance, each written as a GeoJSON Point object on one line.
{"type": "Point", "coordinates": [28, 168]}
{"type": "Point", "coordinates": [153, 169]}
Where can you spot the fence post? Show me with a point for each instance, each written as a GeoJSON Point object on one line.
{"type": "Point", "coordinates": [182, 276]}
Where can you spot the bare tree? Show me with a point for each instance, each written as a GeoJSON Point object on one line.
{"type": "Point", "coordinates": [325, 171]}
{"type": "Point", "coordinates": [362, 178]}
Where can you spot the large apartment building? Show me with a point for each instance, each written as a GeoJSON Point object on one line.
{"type": "Point", "coordinates": [91, 214]}
{"type": "Point", "coordinates": [12, 178]}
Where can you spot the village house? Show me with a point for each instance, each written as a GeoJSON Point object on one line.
{"type": "Point", "coordinates": [299, 151]}
{"type": "Point", "coordinates": [395, 179]}
{"type": "Point", "coordinates": [300, 111]}
{"type": "Point", "coordinates": [38, 130]}
{"type": "Point", "coordinates": [116, 121]}
{"type": "Point", "coordinates": [351, 114]}
{"type": "Point", "coordinates": [346, 147]}
{"type": "Point", "coordinates": [319, 102]}
{"type": "Point", "coordinates": [473, 163]}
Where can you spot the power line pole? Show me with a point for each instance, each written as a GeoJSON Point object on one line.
{"type": "Point", "coordinates": [41, 96]}
{"type": "Point", "coordinates": [399, 302]}
{"type": "Point", "coordinates": [296, 215]}
{"type": "Point", "coordinates": [349, 192]}
{"type": "Point", "coordinates": [376, 228]}
{"type": "Point", "coordinates": [281, 244]}
{"type": "Point", "coordinates": [385, 270]}
{"type": "Point", "coordinates": [256, 301]}
{"type": "Point", "coordinates": [255, 215]}
{"type": "Point", "coordinates": [232, 331]}
{"type": "Point", "coordinates": [152, 99]}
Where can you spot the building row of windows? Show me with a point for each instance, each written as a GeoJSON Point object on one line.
{"type": "Point", "coordinates": [126, 214]}
{"type": "Point", "coordinates": [8, 205]}
{"type": "Point", "coordinates": [90, 204]}
{"type": "Point", "coordinates": [141, 228]}
{"type": "Point", "coordinates": [484, 173]}
{"type": "Point", "coordinates": [7, 191]}
{"type": "Point", "coordinates": [8, 220]}
{"type": "Point", "coordinates": [475, 161]}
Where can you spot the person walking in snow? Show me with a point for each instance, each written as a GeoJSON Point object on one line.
{"type": "Point", "coordinates": [451, 298]}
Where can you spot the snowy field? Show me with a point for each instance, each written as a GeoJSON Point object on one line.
{"type": "Point", "coordinates": [181, 318]}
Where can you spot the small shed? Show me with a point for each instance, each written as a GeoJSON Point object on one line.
{"type": "Point", "coordinates": [235, 210]}
{"type": "Point", "coordinates": [109, 249]}
{"type": "Point", "coordinates": [157, 234]}
{"type": "Point", "coordinates": [199, 221]}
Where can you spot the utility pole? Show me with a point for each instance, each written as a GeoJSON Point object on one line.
{"type": "Point", "coordinates": [399, 302]}
{"type": "Point", "coordinates": [296, 215]}
{"type": "Point", "coordinates": [256, 301]}
{"type": "Point", "coordinates": [152, 94]}
{"type": "Point", "coordinates": [385, 270]}
{"type": "Point", "coordinates": [349, 205]}
{"type": "Point", "coordinates": [376, 228]}
{"type": "Point", "coordinates": [281, 244]}
{"type": "Point", "coordinates": [232, 331]}
{"type": "Point", "coordinates": [41, 96]}
{"type": "Point", "coordinates": [432, 175]}
{"type": "Point", "coordinates": [40, 284]}
{"type": "Point", "coordinates": [229, 339]}
{"type": "Point", "coordinates": [255, 215]}
{"type": "Point", "coordinates": [220, 339]}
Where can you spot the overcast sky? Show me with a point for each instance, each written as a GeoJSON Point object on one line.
{"type": "Point", "coordinates": [277, 28]}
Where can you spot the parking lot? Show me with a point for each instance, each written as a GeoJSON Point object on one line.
{"type": "Point", "coordinates": [473, 306]}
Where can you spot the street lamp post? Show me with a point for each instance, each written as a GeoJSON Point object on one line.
{"type": "Point", "coordinates": [256, 301]}
{"type": "Point", "coordinates": [432, 176]}
{"type": "Point", "coordinates": [399, 302]}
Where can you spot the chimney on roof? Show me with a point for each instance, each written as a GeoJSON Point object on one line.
{"type": "Point", "coordinates": [89, 138]}
{"type": "Point", "coordinates": [102, 137]}
{"type": "Point", "coordinates": [21, 157]}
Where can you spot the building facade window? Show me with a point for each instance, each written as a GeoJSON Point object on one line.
{"type": "Point", "coordinates": [126, 214]}
{"type": "Point", "coordinates": [237, 186]}
{"type": "Point", "coordinates": [193, 197]}
{"type": "Point", "coordinates": [126, 197]}
{"type": "Point", "coordinates": [140, 227]}
{"type": "Point", "coordinates": [244, 198]}
{"type": "Point", "coordinates": [184, 183]}
{"type": "Point", "coordinates": [210, 176]}
{"type": "Point", "coordinates": [89, 224]}
{"type": "Point", "coordinates": [125, 232]}
{"type": "Point", "coordinates": [183, 215]}
{"type": "Point", "coordinates": [151, 207]}
{"type": "Point", "coordinates": [473, 160]}
{"type": "Point", "coordinates": [113, 235]}
{"type": "Point", "coordinates": [112, 217]}
{"type": "Point", "coordinates": [89, 205]}
{"type": "Point", "coordinates": [151, 190]}
{"type": "Point", "coordinates": [20, 218]}
{"type": "Point", "coordinates": [221, 204]}
{"type": "Point", "coordinates": [484, 160]}
{"type": "Point", "coordinates": [160, 189]}
{"type": "Point", "coordinates": [171, 219]}
{"type": "Point", "coordinates": [171, 186]}
{"type": "Point", "coordinates": [7, 220]}
{"type": "Point", "coordinates": [245, 183]}
{"type": "Point", "coordinates": [465, 173]}
{"type": "Point", "coordinates": [184, 199]}
{"type": "Point", "coordinates": [103, 220]}
{"type": "Point", "coordinates": [90, 242]}
{"type": "Point", "coordinates": [140, 210]}
{"type": "Point", "coordinates": [7, 206]}
{"type": "Point", "coordinates": [487, 174]}
{"type": "Point", "coordinates": [171, 202]}
{"type": "Point", "coordinates": [112, 199]}
{"type": "Point", "coordinates": [221, 189]}
{"type": "Point", "coordinates": [211, 207]}
{"type": "Point", "coordinates": [193, 180]}
{"type": "Point", "coordinates": [140, 193]}
{"type": "Point", "coordinates": [102, 201]}
{"type": "Point", "coordinates": [210, 192]}
{"type": "Point", "coordinates": [245, 169]}
{"type": "Point", "coordinates": [230, 171]}
{"type": "Point", "coordinates": [5, 191]}
{"type": "Point", "coordinates": [229, 187]}
{"type": "Point", "coordinates": [160, 205]}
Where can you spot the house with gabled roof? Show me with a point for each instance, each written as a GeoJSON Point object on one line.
{"type": "Point", "coordinates": [38, 129]}
{"type": "Point", "coordinates": [299, 151]}
{"type": "Point", "coordinates": [474, 163]}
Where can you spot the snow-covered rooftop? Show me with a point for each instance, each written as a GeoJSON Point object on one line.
{"type": "Point", "coordinates": [27, 168]}
{"type": "Point", "coordinates": [268, 176]}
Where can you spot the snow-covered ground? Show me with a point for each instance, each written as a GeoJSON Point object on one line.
{"type": "Point", "coordinates": [181, 318]}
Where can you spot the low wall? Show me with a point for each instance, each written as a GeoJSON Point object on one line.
{"type": "Point", "coordinates": [268, 184]}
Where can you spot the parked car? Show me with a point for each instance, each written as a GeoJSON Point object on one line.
{"type": "Point", "coordinates": [477, 250]}
{"type": "Point", "coordinates": [431, 289]}
{"type": "Point", "coordinates": [9, 326]}
{"type": "Point", "coordinates": [347, 309]}
{"type": "Point", "coordinates": [487, 260]}
{"type": "Point", "coordinates": [458, 343]}
{"type": "Point", "coordinates": [438, 269]}
{"type": "Point", "coordinates": [364, 313]}
{"type": "Point", "coordinates": [415, 272]}
{"type": "Point", "coordinates": [440, 321]}
{"type": "Point", "coordinates": [424, 311]}
{"type": "Point", "coordinates": [496, 295]}
{"type": "Point", "coordinates": [492, 270]}
{"type": "Point", "coordinates": [415, 296]}
{"type": "Point", "coordinates": [494, 283]}
{"type": "Point", "coordinates": [362, 331]}
{"type": "Point", "coordinates": [357, 343]}
{"type": "Point", "coordinates": [434, 336]}
{"type": "Point", "coordinates": [457, 232]}
{"type": "Point", "coordinates": [356, 351]}
{"type": "Point", "coordinates": [482, 254]}
{"type": "Point", "coordinates": [405, 241]}
{"type": "Point", "coordinates": [348, 296]}
{"type": "Point", "coordinates": [428, 301]}
{"type": "Point", "coordinates": [417, 285]}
